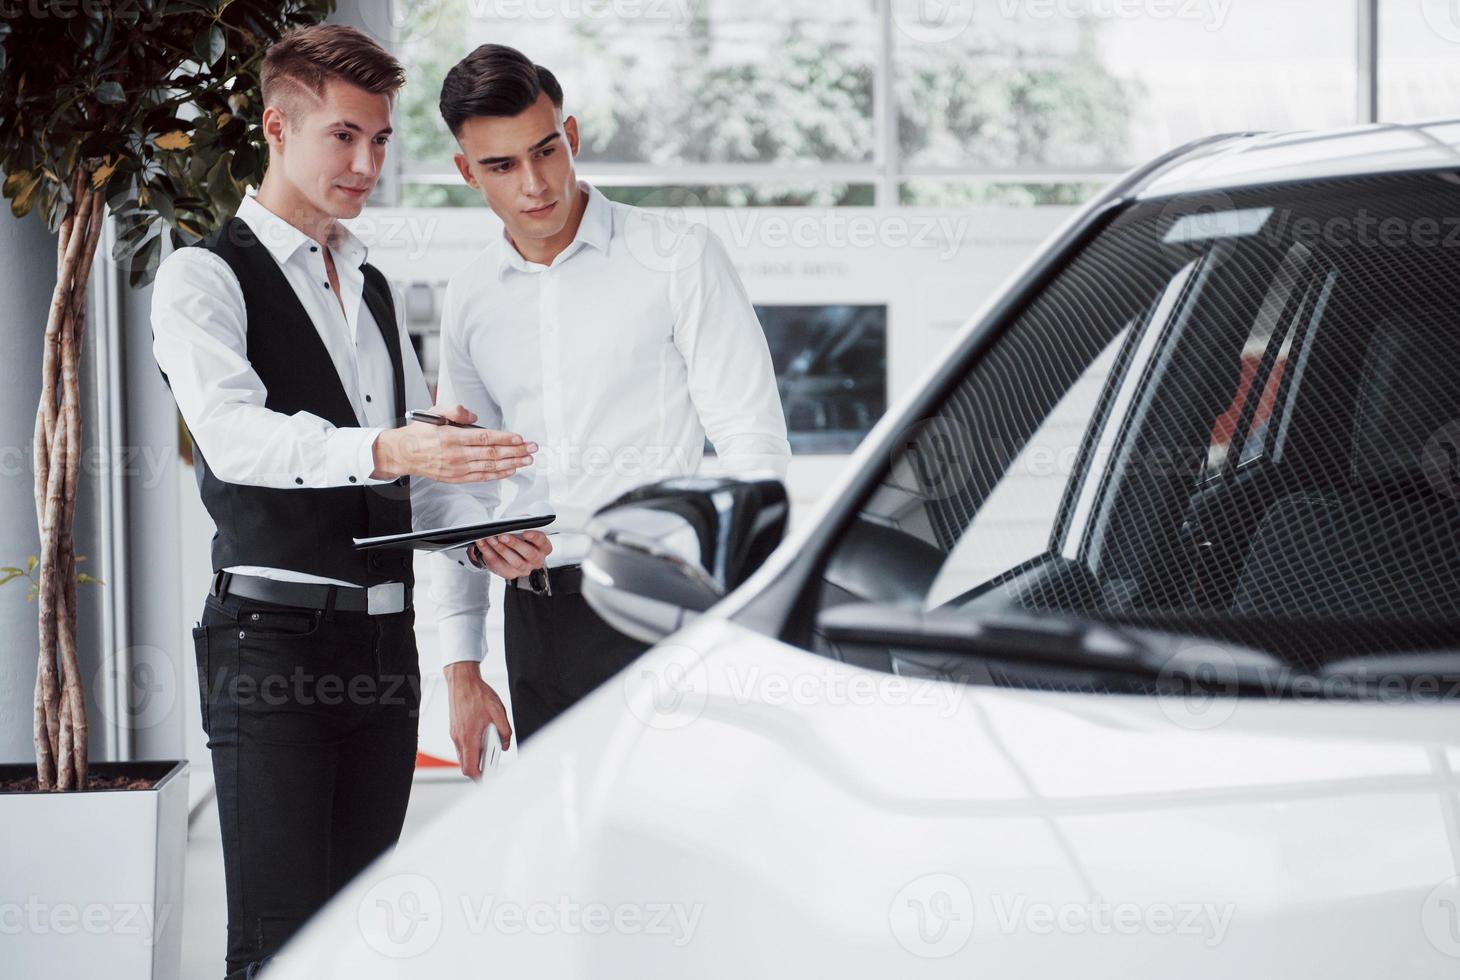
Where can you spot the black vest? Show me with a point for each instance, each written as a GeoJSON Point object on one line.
{"type": "Point", "coordinates": [303, 530]}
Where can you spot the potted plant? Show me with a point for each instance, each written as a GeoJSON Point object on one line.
{"type": "Point", "coordinates": [147, 110]}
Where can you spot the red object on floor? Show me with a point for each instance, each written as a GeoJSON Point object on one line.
{"type": "Point", "coordinates": [427, 761]}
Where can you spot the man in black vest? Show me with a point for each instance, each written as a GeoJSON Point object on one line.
{"type": "Point", "coordinates": [283, 351]}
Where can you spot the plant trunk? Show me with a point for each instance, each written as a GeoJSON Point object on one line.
{"type": "Point", "coordinates": [60, 697]}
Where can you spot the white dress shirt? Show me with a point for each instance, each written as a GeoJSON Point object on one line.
{"type": "Point", "coordinates": [617, 359]}
{"type": "Point", "coordinates": [200, 328]}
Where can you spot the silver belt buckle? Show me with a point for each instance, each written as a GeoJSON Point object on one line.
{"type": "Point", "coordinates": [386, 598]}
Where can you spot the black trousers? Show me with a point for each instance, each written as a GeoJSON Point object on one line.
{"type": "Point", "coordinates": [311, 719]}
{"type": "Point", "coordinates": [558, 650]}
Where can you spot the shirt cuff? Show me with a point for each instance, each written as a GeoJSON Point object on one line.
{"type": "Point", "coordinates": [463, 637]}
{"type": "Point", "coordinates": [460, 595]}
{"type": "Point", "coordinates": [350, 457]}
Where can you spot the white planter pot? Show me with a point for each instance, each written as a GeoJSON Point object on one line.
{"type": "Point", "coordinates": [91, 884]}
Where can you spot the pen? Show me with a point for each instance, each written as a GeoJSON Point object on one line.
{"type": "Point", "coordinates": [429, 419]}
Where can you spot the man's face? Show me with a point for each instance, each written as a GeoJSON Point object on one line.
{"type": "Point", "coordinates": [523, 166]}
{"type": "Point", "coordinates": [332, 153]}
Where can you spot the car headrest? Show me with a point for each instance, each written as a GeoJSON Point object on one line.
{"type": "Point", "coordinates": [1409, 390]}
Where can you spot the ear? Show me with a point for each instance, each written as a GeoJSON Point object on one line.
{"type": "Point", "coordinates": [570, 126]}
{"type": "Point", "coordinates": [274, 126]}
{"type": "Point", "coordinates": [464, 169]}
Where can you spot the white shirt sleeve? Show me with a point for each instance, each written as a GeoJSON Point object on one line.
{"type": "Point", "coordinates": [200, 340]}
{"type": "Point", "coordinates": [731, 380]}
{"type": "Point", "coordinates": [458, 588]}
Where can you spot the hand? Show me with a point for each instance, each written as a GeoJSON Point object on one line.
{"type": "Point", "coordinates": [514, 555]}
{"type": "Point", "coordinates": [449, 454]}
{"type": "Point", "coordinates": [474, 706]}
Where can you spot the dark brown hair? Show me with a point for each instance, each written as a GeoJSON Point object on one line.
{"type": "Point", "coordinates": [303, 60]}
{"type": "Point", "coordinates": [494, 80]}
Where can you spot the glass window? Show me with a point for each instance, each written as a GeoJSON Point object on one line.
{"type": "Point", "coordinates": [1017, 103]}
{"type": "Point", "coordinates": [1419, 59]}
{"type": "Point", "coordinates": [1020, 83]}
{"type": "Point", "coordinates": [750, 81]}
{"type": "Point", "coordinates": [1016, 521]}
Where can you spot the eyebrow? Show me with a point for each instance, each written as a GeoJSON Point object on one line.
{"type": "Point", "coordinates": [493, 161]}
{"type": "Point", "coordinates": [358, 128]}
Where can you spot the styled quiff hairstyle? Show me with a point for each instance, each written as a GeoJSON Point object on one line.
{"type": "Point", "coordinates": [298, 65]}
{"type": "Point", "coordinates": [494, 80]}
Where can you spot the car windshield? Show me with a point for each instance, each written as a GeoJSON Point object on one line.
{"type": "Point", "coordinates": [1234, 416]}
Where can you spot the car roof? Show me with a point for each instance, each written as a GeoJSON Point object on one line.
{"type": "Point", "coordinates": [1241, 160]}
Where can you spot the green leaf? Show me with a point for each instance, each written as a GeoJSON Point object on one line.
{"type": "Point", "coordinates": [110, 93]}
{"type": "Point", "coordinates": [126, 248]}
{"type": "Point", "coordinates": [245, 164]}
{"type": "Point", "coordinates": [84, 579]}
{"type": "Point", "coordinates": [144, 263]}
{"type": "Point", "coordinates": [210, 46]}
{"type": "Point", "coordinates": [119, 188]}
{"type": "Point", "coordinates": [10, 575]}
{"type": "Point", "coordinates": [31, 563]}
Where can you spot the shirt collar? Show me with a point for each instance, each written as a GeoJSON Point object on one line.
{"type": "Point", "coordinates": [596, 230]}
{"type": "Point", "coordinates": [282, 239]}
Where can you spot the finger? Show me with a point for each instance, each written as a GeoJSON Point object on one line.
{"type": "Point", "coordinates": [540, 541]}
{"type": "Point", "coordinates": [518, 546]}
{"type": "Point", "coordinates": [496, 437]}
{"type": "Point", "coordinates": [457, 413]}
{"type": "Point", "coordinates": [470, 756]}
{"type": "Point", "coordinates": [497, 566]}
{"type": "Point", "coordinates": [487, 459]}
{"type": "Point", "coordinates": [487, 476]}
{"type": "Point", "coordinates": [458, 446]}
{"type": "Point", "coordinates": [505, 562]}
{"type": "Point", "coordinates": [480, 473]}
{"type": "Point", "coordinates": [504, 728]}
{"type": "Point", "coordinates": [510, 558]}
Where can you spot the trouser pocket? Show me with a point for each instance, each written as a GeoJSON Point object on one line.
{"type": "Point", "coordinates": [200, 650]}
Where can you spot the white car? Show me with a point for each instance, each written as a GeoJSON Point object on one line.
{"type": "Point", "coordinates": [1128, 647]}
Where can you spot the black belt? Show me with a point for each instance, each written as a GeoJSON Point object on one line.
{"type": "Point", "coordinates": [378, 600]}
{"type": "Point", "coordinates": [563, 580]}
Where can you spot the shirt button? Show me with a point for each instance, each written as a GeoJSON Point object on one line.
{"type": "Point", "coordinates": [367, 398]}
{"type": "Point", "coordinates": [325, 285]}
{"type": "Point", "coordinates": [314, 248]}
{"type": "Point", "coordinates": [352, 479]}
{"type": "Point", "coordinates": [299, 480]}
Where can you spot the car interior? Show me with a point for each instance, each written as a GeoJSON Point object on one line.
{"type": "Point", "coordinates": [1272, 461]}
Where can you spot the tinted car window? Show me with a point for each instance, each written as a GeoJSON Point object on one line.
{"type": "Point", "coordinates": [1234, 415]}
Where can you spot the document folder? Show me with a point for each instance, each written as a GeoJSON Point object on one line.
{"type": "Point", "coordinates": [442, 538]}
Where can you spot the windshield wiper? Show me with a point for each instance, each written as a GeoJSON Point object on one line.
{"type": "Point", "coordinates": [1061, 641]}
{"type": "Point", "coordinates": [1414, 674]}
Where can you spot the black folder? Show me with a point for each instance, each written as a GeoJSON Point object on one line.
{"type": "Point", "coordinates": [442, 538]}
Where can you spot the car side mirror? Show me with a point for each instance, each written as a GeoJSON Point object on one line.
{"type": "Point", "coordinates": [666, 552]}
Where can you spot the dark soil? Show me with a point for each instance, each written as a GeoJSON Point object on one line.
{"type": "Point", "coordinates": [93, 782]}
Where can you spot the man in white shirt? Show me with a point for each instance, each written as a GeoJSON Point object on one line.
{"type": "Point", "coordinates": [615, 339]}
{"type": "Point", "coordinates": [282, 349]}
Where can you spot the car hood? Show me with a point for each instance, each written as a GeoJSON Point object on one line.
{"type": "Point", "coordinates": [729, 803]}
